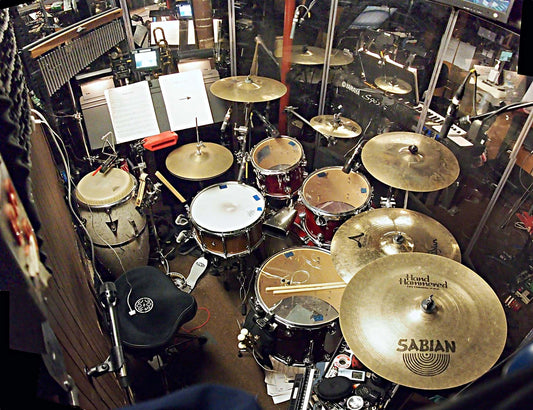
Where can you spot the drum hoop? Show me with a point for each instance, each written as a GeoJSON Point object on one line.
{"type": "Point", "coordinates": [331, 216]}
{"type": "Point", "coordinates": [278, 318]}
{"type": "Point", "coordinates": [228, 233]}
{"type": "Point", "coordinates": [265, 171]}
{"type": "Point", "coordinates": [126, 198]}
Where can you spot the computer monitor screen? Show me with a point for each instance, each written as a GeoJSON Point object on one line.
{"type": "Point", "coordinates": [506, 55]}
{"type": "Point", "coordinates": [497, 10]}
{"type": "Point", "coordinates": [146, 59]}
{"type": "Point", "coordinates": [185, 10]}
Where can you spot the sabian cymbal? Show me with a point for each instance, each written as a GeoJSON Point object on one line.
{"type": "Point", "coordinates": [410, 161]}
{"type": "Point", "coordinates": [376, 233]}
{"type": "Point", "coordinates": [248, 89]}
{"type": "Point", "coordinates": [196, 163]}
{"type": "Point", "coordinates": [336, 126]}
{"type": "Point", "coordinates": [393, 85]}
{"type": "Point", "coordinates": [423, 321]}
{"type": "Point", "coordinates": [309, 55]}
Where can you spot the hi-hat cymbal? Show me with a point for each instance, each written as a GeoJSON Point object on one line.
{"type": "Point", "coordinates": [309, 55]}
{"type": "Point", "coordinates": [410, 161]}
{"type": "Point", "coordinates": [393, 85]}
{"type": "Point", "coordinates": [248, 89]}
{"type": "Point", "coordinates": [333, 126]}
{"type": "Point", "coordinates": [423, 321]}
{"type": "Point", "coordinates": [198, 162]}
{"type": "Point", "coordinates": [376, 233]}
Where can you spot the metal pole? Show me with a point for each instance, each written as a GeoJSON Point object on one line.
{"type": "Point", "coordinates": [127, 24]}
{"type": "Point", "coordinates": [503, 180]}
{"type": "Point", "coordinates": [232, 38]}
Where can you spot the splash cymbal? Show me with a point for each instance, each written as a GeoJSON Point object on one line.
{"type": "Point", "coordinates": [393, 85]}
{"type": "Point", "coordinates": [199, 162]}
{"type": "Point", "coordinates": [376, 233]}
{"type": "Point", "coordinates": [410, 161]}
{"type": "Point", "coordinates": [248, 89]}
{"type": "Point", "coordinates": [336, 126]}
{"type": "Point", "coordinates": [423, 321]}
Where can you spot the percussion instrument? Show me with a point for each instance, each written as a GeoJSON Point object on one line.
{"type": "Point", "coordinates": [117, 229]}
{"type": "Point", "coordinates": [248, 89]}
{"type": "Point", "coordinates": [393, 85]}
{"type": "Point", "coordinates": [423, 321]}
{"type": "Point", "coordinates": [279, 165]}
{"type": "Point", "coordinates": [335, 126]}
{"type": "Point", "coordinates": [410, 161]}
{"type": "Point", "coordinates": [227, 218]}
{"type": "Point", "coordinates": [387, 231]}
{"type": "Point", "coordinates": [330, 197]}
{"type": "Point", "coordinates": [309, 55]}
{"type": "Point", "coordinates": [305, 323]}
{"type": "Point", "coordinates": [198, 162]}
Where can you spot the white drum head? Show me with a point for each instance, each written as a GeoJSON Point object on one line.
{"type": "Point", "coordinates": [105, 189]}
{"type": "Point", "coordinates": [227, 207]}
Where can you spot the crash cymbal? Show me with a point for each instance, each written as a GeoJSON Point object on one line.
{"type": "Point", "coordinates": [393, 85]}
{"type": "Point", "coordinates": [423, 321]}
{"type": "Point", "coordinates": [336, 126]}
{"type": "Point", "coordinates": [248, 89]}
{"type": "Point", "coordinates": [309, 55]}
{"type": "Point", "coordinates": [410, 161]}
{"type": "Point", "coordinates": [196, 163]}
{"type": "Point", "coordinates": [373, 234]}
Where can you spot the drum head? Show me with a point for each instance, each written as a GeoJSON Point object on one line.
{"type": "Point", "coordinates": [105, 189]}
{"type": "Point", "coordinates": [330, 191]}
{"type": "Point", "coordinates": [302, 265]}
{"type": "Point", "coordinates": [277, 154]}
{"type": "Point", "coordinates": [227, 207]}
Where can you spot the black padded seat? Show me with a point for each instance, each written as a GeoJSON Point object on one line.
{"type": "Point", "coordinates": [160, 308]}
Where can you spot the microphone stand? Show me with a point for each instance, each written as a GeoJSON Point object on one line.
{"type": "Point", "coordinates": [115, 362]}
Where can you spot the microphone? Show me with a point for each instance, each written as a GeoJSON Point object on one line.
{"type": "Point", "coordinates": [451, 112]}
{"type": "Point", "coordinates": [350, 163]}
{"type": "Point", "coordinates": [226, 120]}
{"type": "Point", "coordinates": [270, 129]}
{"type": "Point", "coordinates": [295, 21]}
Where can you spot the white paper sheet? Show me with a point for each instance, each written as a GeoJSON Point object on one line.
{"type": "Point", "coordinates": [185, 100]}
{"type": "Point", "coordinates": [132, 112]}
{"type": "Point", "coordinates": [171, 29]}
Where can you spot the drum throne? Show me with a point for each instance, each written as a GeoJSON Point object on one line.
{"type": "Point", "coordinates": [151, 311]}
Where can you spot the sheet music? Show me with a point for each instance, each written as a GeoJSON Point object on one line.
{"type": "Point", "coordinates": [185, 100]}
{"type": "Point", "coordinates": [171, 30]}
{"type": "Point", "coordinates": [132, 112]}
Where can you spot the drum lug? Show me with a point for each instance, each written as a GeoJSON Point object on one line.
{"type": "Point", "coordinates": [288, 190]}
{"type": "Point", "coordinates": [134, 226]}
{"type": "Point", "coordinates": [321, 221]}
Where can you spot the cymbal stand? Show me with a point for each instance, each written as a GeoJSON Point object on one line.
{"type": "Point", "coordinates": [241, 134]}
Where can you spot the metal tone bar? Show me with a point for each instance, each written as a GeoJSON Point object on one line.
{"type": "Point", "coordinates": [436, 69]}
{"type": "Point", "coordinates": [503, 181]}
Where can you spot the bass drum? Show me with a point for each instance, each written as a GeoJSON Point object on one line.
{"type": "Point", "coordinates": [298, 328]}
{"type": "Point", "coordinates": [117, 229]}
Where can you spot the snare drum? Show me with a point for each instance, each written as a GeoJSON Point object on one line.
{"type": "Point", "coordinates": [330, 197]}
{"type": "Point", "coordinates": [227, 219]}
{"type": "Point", "coordinates": [279, 165]}
{"type": "Point", "coordinates": [117, 229]}
{"type": "Point", "coordinates": [304, 327]}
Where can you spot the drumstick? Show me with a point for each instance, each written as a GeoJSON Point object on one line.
{"type": "Point", "coordinates": [306, 287]}
{"type": "Point", "coordinates": [169, 186]}
{"type": "Point", "coordinates": [290, 289]}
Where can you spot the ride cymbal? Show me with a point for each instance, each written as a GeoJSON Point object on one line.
{"type": "Point", "coordinates": [376, 233]}
{"type": "Point", "coordinates": [309, 55]}
{"type": "Point", "coordinates": [393, 85]}
{"type": "Point", "coordinates": [423, 321]}
{"type": "Point", "coordinates": [248, 89]}
{"type": "Point", "coordinates": [198, 162]}
{"type": "Point", "coordinates": [410, 161]}
{"type": "Point", "coordinates": [336, 126]}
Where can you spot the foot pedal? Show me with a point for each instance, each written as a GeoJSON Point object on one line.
{"type": "Point", "coordinates": [197, 269]}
